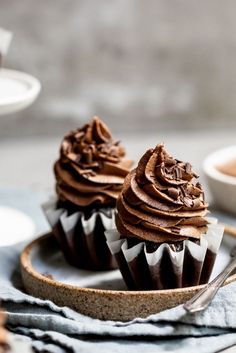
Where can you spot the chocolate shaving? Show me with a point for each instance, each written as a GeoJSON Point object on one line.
{"type": "Point", "coordinates": [174, 193]}
{"type": "Point", "coordinates": [183, 191]}
{"type": "Point", "coordinates": [188, 168]}
{"type": "Point", "coordinates": [179, 173]}
{"type": "Point", "coordinates": [92, 143]}
{"type": "Point", "coordinates": [188, 202]}
{"type": "Point", "coordinates": [170, 162]}
{"type": "Point", "coordinates": [176, 229]}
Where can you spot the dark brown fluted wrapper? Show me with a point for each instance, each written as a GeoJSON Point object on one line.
{"type": "Point", "coordinates": [82, 240]}
{"type": "Point", "coordinates": [165, 268]}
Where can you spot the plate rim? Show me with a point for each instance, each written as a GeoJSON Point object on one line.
{"type": "Point", "coordinates": [26, 265]}
{"type": "Point", "coordinates": [29, 94]}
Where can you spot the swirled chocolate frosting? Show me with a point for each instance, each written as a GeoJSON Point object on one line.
{"type": "Point", "coordinates": [161, 200]}
{"type": "Point", "coordinates": [91, 168]}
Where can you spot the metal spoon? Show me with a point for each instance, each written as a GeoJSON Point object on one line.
{"type": "Point", "coordinates": [203, 298]}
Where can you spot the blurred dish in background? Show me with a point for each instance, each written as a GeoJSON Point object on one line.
{"type": "Point", "coordinates": [17, 90]}
{"type": "Point", "coordinates": [222, 183]}
{"type": "Point", "coordinates": [15, 226]}
{"type": "Point", "coordinates": [228, 168]}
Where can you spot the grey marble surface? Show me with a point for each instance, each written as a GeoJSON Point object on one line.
{"type": "Point", "coordinates": [142, 65]}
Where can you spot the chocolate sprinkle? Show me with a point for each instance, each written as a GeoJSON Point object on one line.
{"type": "Point", "coordinates": [174, 193]}
{"type": "Point", "coordinates": [188, 168]}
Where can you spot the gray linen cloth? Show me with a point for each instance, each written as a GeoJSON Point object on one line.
{"type": "Point", "coordinates": [60, 329]}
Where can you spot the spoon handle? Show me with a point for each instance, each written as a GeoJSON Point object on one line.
{"type": "Point", "coordinates": [203, 298]}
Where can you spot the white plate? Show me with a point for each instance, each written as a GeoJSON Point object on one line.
{"type": "Point", "coordinates": [15, 225]}
{"type": "Point", "coordinates": [17, 90]}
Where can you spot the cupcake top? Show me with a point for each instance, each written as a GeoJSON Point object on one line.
{"type": "Point", "coordinates": [162, 200]}
{"type": "Point", "coordinates": [92, 166]}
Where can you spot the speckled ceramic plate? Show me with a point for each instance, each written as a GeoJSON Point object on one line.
{"type": "Point", "coordinates": [99, 294]}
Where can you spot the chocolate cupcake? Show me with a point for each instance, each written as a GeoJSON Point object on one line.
{"type": "Point", "coordinates": [163, 238]}
{"type": "Point", "coordinates": [89, 175]}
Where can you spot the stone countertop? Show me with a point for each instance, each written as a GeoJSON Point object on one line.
{"type": "Point", "coordinates": [28, 163]}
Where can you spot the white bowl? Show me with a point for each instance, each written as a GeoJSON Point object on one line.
{"type": "Point", "coordinates": [17, 90]}
{"type": "Point", "coordinates": [222, 186]}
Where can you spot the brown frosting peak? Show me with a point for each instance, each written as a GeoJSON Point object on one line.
{"type": "Point", "coordinates": [161, 200]}
{"type": "Point", "coordinates": [92, 166]}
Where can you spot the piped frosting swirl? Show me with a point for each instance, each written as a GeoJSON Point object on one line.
{"type": "Point", "coordinates": [161, 200]}
{"type": "Point", "coordinates": [92, 166]}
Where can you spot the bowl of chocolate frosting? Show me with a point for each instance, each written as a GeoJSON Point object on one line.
{"type": "Point", "coordinates": [220, 171]}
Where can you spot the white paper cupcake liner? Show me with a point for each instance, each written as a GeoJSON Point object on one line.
{"type": "Point", "coordinates": [81, 239]}
{"type": "Point", "coordinates": [166, 268]}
